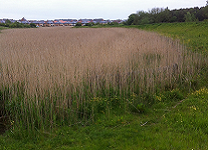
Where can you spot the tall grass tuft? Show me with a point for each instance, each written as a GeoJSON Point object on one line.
{"type": "Point", "coordinates": [55, 76]}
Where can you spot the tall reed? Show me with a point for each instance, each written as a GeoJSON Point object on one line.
{"type": "Point", "coordinates": [53, 76]}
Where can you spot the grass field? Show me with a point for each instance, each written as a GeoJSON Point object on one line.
{"type": "Point", "coordinates": [162, 127]}
{"type": "Point", "coordinates": [147, 92]}
{"type": "Point", "coordinates": [193, 34]}
{"type": "Point", "coordinates": [1, 28]}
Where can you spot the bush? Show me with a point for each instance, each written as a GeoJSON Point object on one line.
{"type": "Point", "coordinates": [7, 25]}
{"type": "Point", "coordinates": [113, 23]}
{"type": "Point", "coordinates": [16, 25]}
{"type": "Point", "coordinates": [89, 24]}
{"type": "Point", "coordinates": [32, 25]}
{"type": "Point", "coordinates": [2, 24]}
{"type": "Point", "coordinates": [19, 25]}
{"type": "Point", "coordinates": [8, 21]}
{"type": "Point", "coordinates": [13, 25]}
{"type": "Point", "coordinates": [26, 26]}
{"type": "Point", "coordinates": [78, 24]}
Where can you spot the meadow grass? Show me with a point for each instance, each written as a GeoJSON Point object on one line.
{"type": "Point", "coordinates": [165, 125]}
{"type": "Point", "coordinates": [1, 28]}
{"type": "Point", "coordinates": [130, 81]}
{"type": "Point", "coordinates": [192, 34]}
{"type": "Point", "coordinates": [51, 76]}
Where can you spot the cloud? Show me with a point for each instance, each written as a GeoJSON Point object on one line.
{"type": "Point", "coordinates": [112, 9]}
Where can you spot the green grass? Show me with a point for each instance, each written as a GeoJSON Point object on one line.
{"type": "Point", "coordinates": [1, 28]}
{"type": "Point", "coordinates": [193, 34]}
{"type": "Point", "coordinates": [173, 125]}
{"type": "Point", "coordinates": [175, 119]}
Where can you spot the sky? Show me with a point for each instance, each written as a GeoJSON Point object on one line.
{"type": "Point", "coordinates": [91, 9]}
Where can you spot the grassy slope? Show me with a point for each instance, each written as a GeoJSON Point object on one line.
{"type": "Point", "coordinates": [194, 34]}
{"type": "Point", "coordinates": [162, 126]}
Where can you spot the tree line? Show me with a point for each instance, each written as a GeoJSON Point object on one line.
{"type": "Point", "coordinates": [16, 24]}
{"type": "Point", "coordinates": [160, 15]}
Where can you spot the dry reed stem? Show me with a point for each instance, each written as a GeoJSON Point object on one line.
{"type": "Point", "coordinates": [47, 58]}
{"type": "Point", "coordinates": [51, 71]}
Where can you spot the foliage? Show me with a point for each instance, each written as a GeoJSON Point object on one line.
{"type": "Point", "coordinates": [32, 25]}
{"type": "Point", "coordinates": [159, 15]}
{"type": "Point", "coordinates": [78, 24]}
{"type": "Point", "coordinates": [189, 17]}
{"type": "Point", "coordinates": [173, 125]}
{"type": "Point", "coordinates": [131, 19]}
{"type": "Point", "coordinates": [17, 25]}
{"type": "Point", "coordinates": [8, 21]}
{"type": "Point", "coordinates": [89, 24]}
{"type": "Point", "coordinates": [192, 34]}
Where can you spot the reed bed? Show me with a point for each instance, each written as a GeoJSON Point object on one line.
{"type": "Point", "coordinates": [49, 75]}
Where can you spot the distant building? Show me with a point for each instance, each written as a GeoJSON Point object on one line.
{"type": "Point", "coordinates": [98, 20]}
{"type": "Point", "coordinates": [48, 23]}
{"type": "Point", "coordinates": [23, 19]}
{"type": "Point", "coordinates": [2, 21]}
{"type": "Point", "coordinates": [60, 22]}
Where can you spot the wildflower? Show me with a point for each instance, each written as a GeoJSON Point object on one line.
{"type": "Point", "coordinates": [193, 107]}
{"type": "Point", "coordinates": [201, 92]}
{"type": "Point", "coordinates": [159, 98]}
{"type": "Point", "coordinates": [12, 122]}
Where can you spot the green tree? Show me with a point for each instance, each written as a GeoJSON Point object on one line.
{"type": "Point", "coordinates": [78, 24]}
{"type": "Point", "coordinates": [26, 26]}
{"type": "Point", "coordinates": [143, 18]}
{"type": "Point", "coordinates": [13, 25]}
{"type": "Point", "coordinates": [173, 19]}
{"type": "Point", "coordinates": [131, 19]}
{"type": "Point", "coordinates": [88, 24]}
{"type": "Point", "coordinates": [188, 17]}
{"type": "Point", "coordinates": [8, 21]}
{"type": "Point", "coordinates": [202, 13]}
{"type": "Point", "coordinates": [2, 24]}
{"type": "Point", "coordinates": [32, 25]}
{"type": "Point", "coordinates": [7, 24]}
{"type": "Point", "coordinates": [19, 25]}
{"type": "Point", "coordinates": [164, 16]}
{"type": "Point", "coordinates": [114, 23]}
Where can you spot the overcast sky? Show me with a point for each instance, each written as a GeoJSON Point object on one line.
{"type": "Point", "coordinates": [107, 9]}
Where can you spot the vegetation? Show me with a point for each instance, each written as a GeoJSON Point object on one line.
{"type": "Point", "coordinates": [161, 15]}
{"type": "Point", "coordinates": [192, 34]}
{"type": "Point", "coordinates": [147, 92]}
{"type": "Point", "coordinates": [165, 125]}
{"type": "Point", "coordinates": [1, 28]}
{"type": "Point", "coordinates": [64, 83]}
{"type": "Point", "coordinates": [16, 24]}
{"type": "Point", "coordinates": [99, 25]}
{"type": "Point", "coordinates": [78, 24]}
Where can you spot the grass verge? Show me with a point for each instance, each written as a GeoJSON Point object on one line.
{"type": "Point", "coordinates": [165, 125]}
{"type": "Point", "coordinates": [192, 34]}
{"type": "Point", "coordinates": [1, 28]}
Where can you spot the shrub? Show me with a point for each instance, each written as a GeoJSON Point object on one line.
{"type": "Point", "coordinates": [78, 24]}
{"type": "Point", "coordinates": [32, 25]}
